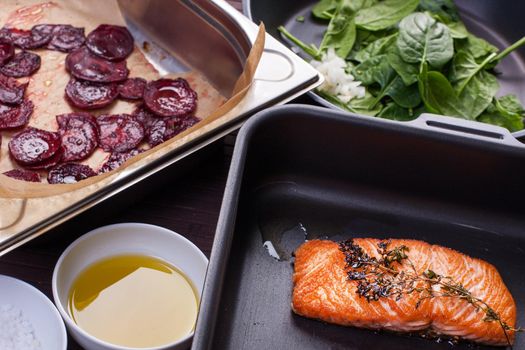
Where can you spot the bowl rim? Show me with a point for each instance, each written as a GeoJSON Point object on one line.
{"type": "Point", "coordinates": [44, 300]}
{"type": "Point", "coordinates": [67, 318]}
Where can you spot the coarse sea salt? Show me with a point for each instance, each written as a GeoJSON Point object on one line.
{"type": "Point", "coordinates": [16, 332]}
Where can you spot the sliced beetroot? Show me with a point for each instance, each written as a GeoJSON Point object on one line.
{"type": "Point", "coordinates": [23, 64]}
{"type": "Point", "coordinates": [5, 35]}
{"type": "Point", "coordinates": [13, 116]}
{"type": "Point", "coordinates": [132, 88]}
{"type": "Point", "coordinates": [19, 37]}
{"type": "Point", "coordinates": [89, 95]}
{"type": "Point", "coordinates": [47, 163]}
{"type": "Point", "coordinates": [66, 38]}
{"type": "Point", "coordinates": [32, 146]}
{"type": "Point", "coordinates": [42, 34]}
{"type": "Point", "coordinates": [69, 173]}
{"type": "Point", "coordinates": [86, 66]}
{"type": "Point", "coordinates": [7, 51]}
{"type": "Point", "coordinates": [79, 133]}
{"type": "Point", "coordinates": [144, 116]}
{"type": "Point", "coordinates": [170, 98]}
{"type": "Point", "coordinates": [110, 42]}
{"type": "Point", "coordinates": [11, 91]}
{"type": "Point", "coordinates": [163, 129]}
{"type": "Point", "coordinates": [116, 159]}
{"type": "Point", "coordinates": [26, 39]}
{"type": "Point", "coordinates": [24, 175]}
{"type": "Point", "coordinates": [119, 132]}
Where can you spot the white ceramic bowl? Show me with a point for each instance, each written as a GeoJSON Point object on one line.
{"type": "Point", "coordinates": [128, 238]}
{"type": "Point", "coordinates": [31, 305]}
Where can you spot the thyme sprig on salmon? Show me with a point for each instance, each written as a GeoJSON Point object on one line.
{"type": "Point", "coordinates": [379, 278]}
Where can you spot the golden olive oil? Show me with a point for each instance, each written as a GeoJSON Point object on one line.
{"type": "Point", "coordinates": [134, 300]}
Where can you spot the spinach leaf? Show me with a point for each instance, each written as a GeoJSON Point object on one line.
{"type": "Point", "coordinates": [393, 111]}
{"type": "Point", "coordinates": [407, 71]}
{"type": "Point", "coordinates": [445, 9]}
{"type": "Point", "coordinates": [438, 95]}
{"type": "Point", "coordinates": [478, 93]}
{"type": "Point", "coordinates": [384, 14]}
{"type": "Point", "coordinates": [365, 38]}
{"type": "Point", "coordinates": [508, 50]}
{"type": "Point", "coordinates": [423, 39]}
{"type": "Point", "coordinates": [324, 9]}
{"type": "Point", "coordinates": [363, 106]}
{"type": "Point", "coordinates": [458, 30]}
{"type": "Point", "coordinates": [371, 70]}
{"type": "Point", "coordinates": [405, 96]}
{"type": "Point", "coordinates": [477, 47]}
{"type": "Point", "coordinates": [510, 104]}
{"type": "Point", "coordinates": [310, 50]}
{"type": "Point", "coordinates": [341, 31]}
{"type": "Point", "coordinates": [378, 70]}
{"type": "Point", "coordinates": [357, 5]}
{"type": "Point", "coordinates": [464, 68]}
{"type": "Point", "coordinates": [474, 86]}
{"type": "Point", "coordinates": [506, 112]}
{"type": "Point", "coordinates": [378, 47]}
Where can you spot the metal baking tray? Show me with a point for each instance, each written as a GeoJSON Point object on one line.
{"type": "Point", "coordinates": [173, 28]}
{"type": "Point", "coordinates": [302, 172]}
{"type": "Point", "coordinates": [498, 22]}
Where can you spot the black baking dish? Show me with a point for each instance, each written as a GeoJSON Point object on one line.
{"type": "Point", "coordinates": [303, 172]}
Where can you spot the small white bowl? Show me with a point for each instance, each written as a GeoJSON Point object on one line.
{"type": "Point", "coordinates": [128, 238]}
{"type": "Point", "coordinates": [35, 308]}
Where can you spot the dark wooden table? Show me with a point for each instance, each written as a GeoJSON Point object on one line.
{"type": "Point", "coordinates": [189, 205]}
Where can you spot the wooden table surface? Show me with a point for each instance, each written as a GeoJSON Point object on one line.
{"type": "Point", "coordinates": [188, 205]}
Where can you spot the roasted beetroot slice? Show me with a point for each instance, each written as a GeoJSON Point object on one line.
{"type": "Point", "coordinates": [7, 51]}
{"type": "Point", "coordinates": [132, 88]}
{"type": "Point", "coordinates": [86, 66]}
{"type": "Point", "coordinates": [42, 34]}
{"type": "Point", "coordinates": [79, 132]}
{"type": "Point", "coordinates": [144, 116]}
{"type": "Point", "coordinates": [116, 159]}
{"type": "Point", "coordinates": [110, 42]}
{"type": "Point", "coordinates": [89, 95]}
{"type": "Point", "coordinates": [11, 91]}
{"type": "Point", "coordinates": [19, 37]}
{"type": "Point", "coordinates": [32, 146]}
{"type": "Point", "coordinates": [170, 98]}
{"type": "Point", "coordinates": [69, 173]}
{"type": "Point", "coordinates": [5, 35]}
{"type": "Point", "coordinates": [27, 39]}
{"type": "Point", "coordinates": [66, 38]}
{"type": "Point", "coordinates": [163, 129]}
{"type": "Point", "coordinates": [24, 175]}
{"type": "Point", "coordinates": [119, 132]}
{"type": "Point", "coordinates": [12, 117]}
{"type": "Point", "coordinates": [23, 64]}
{"type": "Point", "coordinates": [47, 163]}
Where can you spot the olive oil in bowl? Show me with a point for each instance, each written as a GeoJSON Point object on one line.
{"type": "Point", "coordinates": [135, 301]}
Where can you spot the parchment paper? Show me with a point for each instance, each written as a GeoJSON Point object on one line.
{"type": "Point", "coordinates": [23, 204]}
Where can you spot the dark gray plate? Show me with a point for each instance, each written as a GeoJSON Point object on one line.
{"type": "Point", "coordinates": [499, 22]}
{"type": "Point", "coordinates": [302, 172]}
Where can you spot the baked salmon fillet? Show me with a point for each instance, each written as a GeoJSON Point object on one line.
{"type": "Point", "coordinates": [322, 290]}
